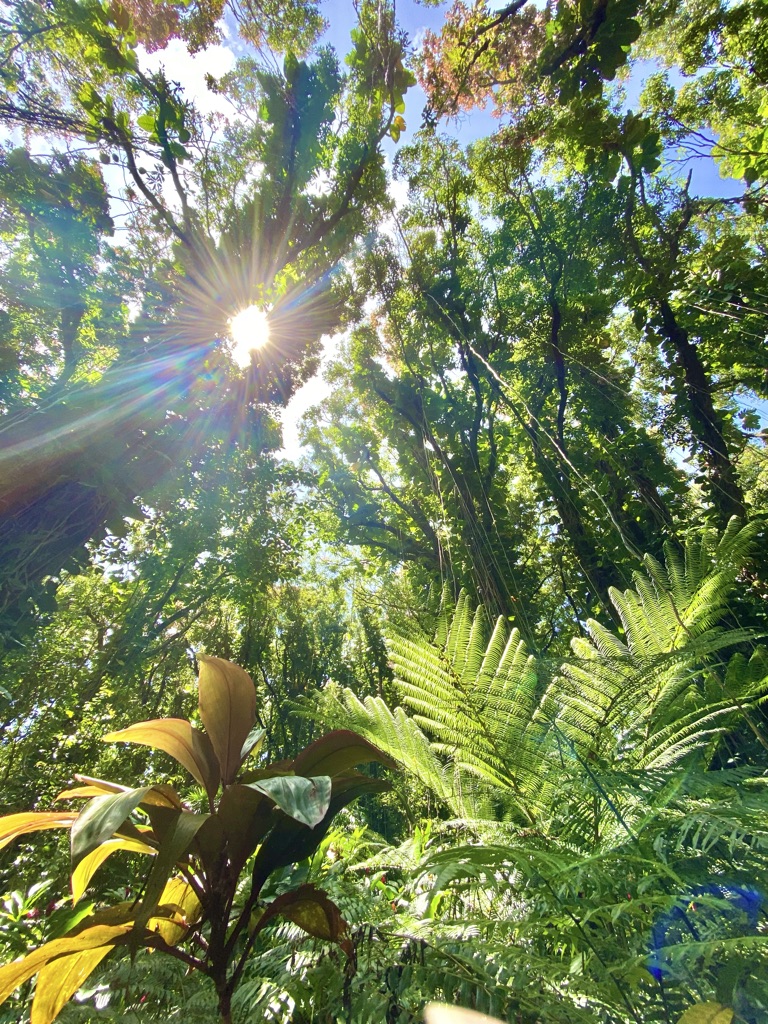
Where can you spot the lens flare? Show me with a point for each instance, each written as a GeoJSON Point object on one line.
{"type": "Point", "coordinates": [249, 330]}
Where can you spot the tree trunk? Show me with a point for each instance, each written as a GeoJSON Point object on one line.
{"type": "Point", "coordinates": [706, 423]}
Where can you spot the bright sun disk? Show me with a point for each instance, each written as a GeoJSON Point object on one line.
{"type": "Point", "coordinates": [249, 330]}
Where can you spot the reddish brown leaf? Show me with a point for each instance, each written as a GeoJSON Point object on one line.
{"type": "Point", "coordinates": [227, 709]}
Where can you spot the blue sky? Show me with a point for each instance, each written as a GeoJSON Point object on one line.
{"type": "Point", "coordinates": [414, 18]}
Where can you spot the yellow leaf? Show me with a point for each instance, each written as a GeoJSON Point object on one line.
{"type": "Point", "coordinates": [14, 825]}
{"type": "Point", "coordinates": [90, 864]}
{"type": "Point", "coordinates": [16, 973]}
{"type": "Point", "coordinates": [180, 908]}
{"type": "Point", "coordinates": [707, 1013]}
{"type": "Point", "coordinates": [177, 737]}
{"type": "Point", "coordinates": [58, 981]}
{"type": "Point", "coordinates": [78, 792]}
{"type": "Point", "coordinates": [227, 709]}
{"type": "Point", "coordinates": [101, 785]}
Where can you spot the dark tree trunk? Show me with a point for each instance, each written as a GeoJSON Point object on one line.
{"type": "Point", "coordinates": [706, 422]}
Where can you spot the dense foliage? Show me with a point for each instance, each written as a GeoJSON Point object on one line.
{"type": "Point", "coordinates": [521, 555]}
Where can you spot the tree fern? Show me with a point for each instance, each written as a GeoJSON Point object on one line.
{"type": "Point", "coordinates": [395, 733]}
{"type": "Point", "coordinates": [658, 693]}
{"type": "Point", "coordinates": [473, 691]}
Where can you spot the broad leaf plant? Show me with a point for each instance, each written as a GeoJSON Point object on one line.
{"type": "Point", "coordinates": [196, 902]}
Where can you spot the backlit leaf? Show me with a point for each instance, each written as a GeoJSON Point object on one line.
{"type": "Point", "coordinates": [439, 1013]}
{"type": "Point", "coordinates": [59, 979]}
{"type": "Point", "coordinates": [14, 825]}
{"type": "Point", "coordinates": [176, 841]}
{"type": "Point", "coordinates": [178, 909]}
{"type": "Point", "coordinates": [253, 742]}
{"type": "Point", "coordinates": [227, 709]}
{"type": "Point", "coordinates": [337, 752]}
{"type": "Point", "coordinates": [707, 1013]}
{"type": "Point", "coordinates": [312, 910]}
{"type": "Point", "coordinates": [16, 973]}
{"type": "Point", "coordinates": [91, 863]}
{"type": "Point", "coordinates": [102, 785]}
{"type": "Point", "coordinates": [101, 818]}
{"type": "Point", "coordinates": [179, 738]}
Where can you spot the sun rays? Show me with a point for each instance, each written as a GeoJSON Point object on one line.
{"type": "Point", "coordinates": [249, 331]}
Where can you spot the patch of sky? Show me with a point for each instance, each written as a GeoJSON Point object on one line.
{"type": "Point", "coordinates": [694, 154]}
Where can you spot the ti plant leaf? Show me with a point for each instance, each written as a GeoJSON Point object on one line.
{"type": "Point", "coordinates": [193, 888]}
{"type": "Point", "coordinates": [253, 742]}
{"type": "Point", "coordinates": [306, 800]}
{"type": "Point", "coordinates": [90, 864]}
{"type": "Point", "coordinates": [14, 825]}
{"type": "Point", "coordinates": [227, 709]}
{"type": "Point", "coordinates": [89, 938]}
{"type": "Point", "coordinates": [337, 752]}
{"type": "Point", "coordinates": [313, 911]}
{"type": "Point", "coordinates": [59, 979]}
{"type": "Point", "coordinates": [179, 738]}
{"type": "Point", "coordinates": [174, 844]}
{"type": "Point", "coordinates": [105, 815]}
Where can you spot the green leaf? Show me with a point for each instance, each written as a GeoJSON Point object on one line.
{"type": "Point", "coordinates": [100, 819]}
{"type": "Point", "coordinates": [305, 799]}
{"type": "Point", "coordinates": [253, 742]}
{"type": "Point", "coordinates": [177, 838]}
{"type": "Point", "coordinates": [291, 841]}
{"type": "Point", "coordinates": [147, 122]}
{"type": "Point", "coordinates": [227, 709]}
{"type": "Point", "coordinates": [91, 863]}
{"type": "Point", "coordinates": [177, 737]}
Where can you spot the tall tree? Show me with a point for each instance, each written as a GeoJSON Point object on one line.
{"type": "Point", "coordinates": [78, 458]}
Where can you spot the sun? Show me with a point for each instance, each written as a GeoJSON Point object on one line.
{"type": "Point", "coordinates": [249, 330]}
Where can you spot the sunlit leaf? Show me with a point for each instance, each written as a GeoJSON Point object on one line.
{"type": "Point", "coordinates": [59, 979]}
{"type": "Point", "coordinates": [291, 840]}
{"type": "Point", "coordinates": [337, 752]}
{"type": "Point", "coordinates": [14, 825]}
{"type": "Point", "coordinates": [91, 863]}
{"type": "Point", "coordinates": [178, 909]}
{"type": "Point", "coordinates": [101, 818]}
{"type": "Point", "coordinates": [227, 710]}
{"type": "Point", "coordinates": [707, 1013]}
{"type": "Point", "coordinates": [439, 1013]}
{"type": "Point", "coordinates": [16, 973]}
{"type": "Point", "coordinates": [176, 841]}
{"type": "Point", "coordinates": [253, 742]}
{"type": "Point", "coordinates": [177, 737]}
{"type": "Point", "coordinates": [306, 800]}
{"type": "Point", "coordinates": [162, 795]}
{"type": "Point", "coordinates": [102, 785]}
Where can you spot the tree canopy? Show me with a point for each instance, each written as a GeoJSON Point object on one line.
{"type": "Point", "coordinates": [516, 572]}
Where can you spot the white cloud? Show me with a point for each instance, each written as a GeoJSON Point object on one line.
{"type": "Point", "coordinates": [312, 393]}
{"type": "Point", "coordinates": [189, 70]}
